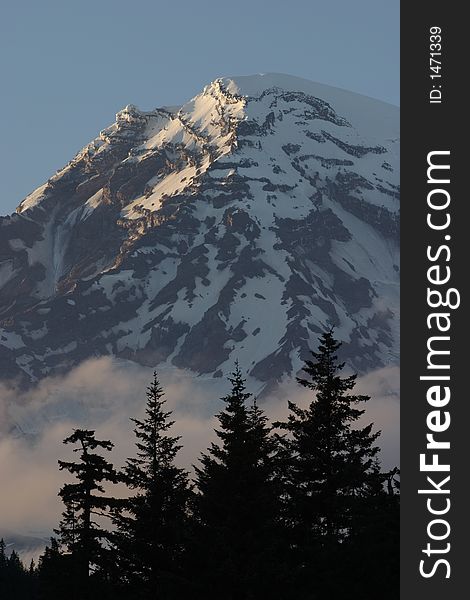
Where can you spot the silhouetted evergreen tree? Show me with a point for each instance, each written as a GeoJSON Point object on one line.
{"type": "Point", "coordinates": [80, 531]}
{"type": "Point", "coordinates": [333, 477]}
{"type": "Point", "coordinates": [153, 522]}
{"type": "Point", "coordinates": [237, 547]}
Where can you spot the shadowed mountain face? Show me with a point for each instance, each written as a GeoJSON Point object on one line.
{"type": "Point", "coordinates": [237, 226]}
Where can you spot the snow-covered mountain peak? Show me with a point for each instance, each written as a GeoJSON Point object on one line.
{"type": "Point", "coordinates": [372, 116]}
{"type": "Point", "coordinates": [238, 225]}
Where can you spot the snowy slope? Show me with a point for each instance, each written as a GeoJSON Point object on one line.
{"type": "Point", "coordinates": [239, 225]}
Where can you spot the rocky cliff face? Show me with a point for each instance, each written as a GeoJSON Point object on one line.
{"type": "Point", "coordinates": [237, 226]}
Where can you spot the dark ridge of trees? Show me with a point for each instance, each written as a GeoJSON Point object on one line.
{"type": "Point", "coordinates": [16, 582]}
{"type": "Point", "coordinates": [298, 509]}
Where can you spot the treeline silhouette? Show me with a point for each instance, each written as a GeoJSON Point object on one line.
{"type": "Point", "coordinates": [291, 510]}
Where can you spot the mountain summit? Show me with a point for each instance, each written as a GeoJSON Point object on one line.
{"type": "Point", "coordinates": [239, 225]}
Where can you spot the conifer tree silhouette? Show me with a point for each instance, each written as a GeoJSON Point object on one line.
{"type": "Point", "coordinates": [80, 531]}
{"type": "Point", "coordinates": [237, 507]}
{"type": "Point", "coordinates": [333, 472]}
{"type": "Point", "coordinates": [153, 523]}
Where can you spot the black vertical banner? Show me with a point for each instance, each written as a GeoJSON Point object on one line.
{"type": "Point", "coordinates": [435, 358]}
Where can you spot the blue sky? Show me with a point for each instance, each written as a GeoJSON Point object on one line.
{"type": "Point", "coordinates": [68, 67]}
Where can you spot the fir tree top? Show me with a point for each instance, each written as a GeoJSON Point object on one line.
{"type": "Point", "coordinates": [156, 449]}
